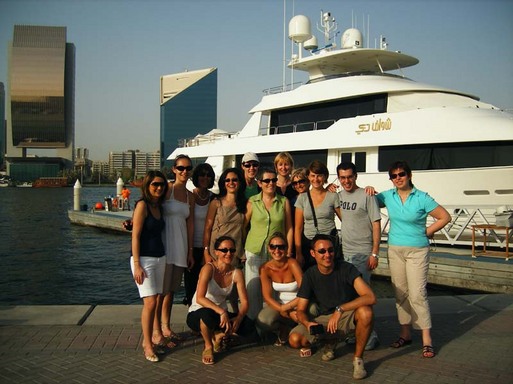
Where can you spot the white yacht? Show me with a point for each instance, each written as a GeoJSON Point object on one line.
{"type": "Point", "coordinates": [353, 108]}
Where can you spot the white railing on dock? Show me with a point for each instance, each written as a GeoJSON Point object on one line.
{"type": "Point", "coordinates": [459, 230]}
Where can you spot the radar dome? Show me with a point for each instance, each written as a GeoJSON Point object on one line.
{"type": "Point", "coordinates": [352, 38]}
{"type": "Point", "coordinates": [299, 29]}
{"type": "Point", "coordinates": [311, 43]}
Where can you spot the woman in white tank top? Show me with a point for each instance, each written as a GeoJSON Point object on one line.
{"type": "Point", "coordinates": [280, 278]}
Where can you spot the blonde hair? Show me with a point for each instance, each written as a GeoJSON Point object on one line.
{"type": "Point", "coordinates": [284, 156]}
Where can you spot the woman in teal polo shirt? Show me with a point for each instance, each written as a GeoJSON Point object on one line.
{"type": "Point", "coordinates": [408, 252]}
{"type": "Point", "coordinates": [267, 213]}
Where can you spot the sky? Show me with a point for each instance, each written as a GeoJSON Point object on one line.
{"type": "Point", "coordinates": [123, 47]}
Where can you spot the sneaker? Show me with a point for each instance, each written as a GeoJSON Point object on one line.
{"type": "Point", "coordinates": [359, 371]}
{"type": "Point", "coordinates": [328, 353]}
{"type": "Point", "coordinates": [373, 342]}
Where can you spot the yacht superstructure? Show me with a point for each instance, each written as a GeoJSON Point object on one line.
{"type": "Point", "coordinates": [354, 109]}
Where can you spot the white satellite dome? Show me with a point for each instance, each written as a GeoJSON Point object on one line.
{"type": "Point", "coordinates": [311, 43]}
{"type": "Point", "coordinates": [299, 29]}
{"type": "Point", "coordinates": [352, 38]}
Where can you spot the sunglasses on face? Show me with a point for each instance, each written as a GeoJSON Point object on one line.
{"type": "Point", "coordinates": [279, 247]}
{"type": "Point", "coordinates": [251, 164]}
{"type": "Point", "coordinates": [267, 181]}
{"type": "Point", "coordinates": [322, 251]}
{"type": "Point", "coordinates": [181, 168]}
{"type": "Point", "coordinates": [295, 183]}
{"type": "Point", "coordinates": [396, 175]}
{"type": "Point", "coordinates": [226, 250]}
{"type": "Point", "coordinates": [234, 180]}
{"type": "Point", "coordinates": [157, 184]}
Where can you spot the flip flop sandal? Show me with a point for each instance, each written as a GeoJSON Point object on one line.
{"type": "Point", "coordinates": [428, 352]}
{"type": "Point", "coordinates": [305, 352]}
{"type": "Point", "coordinates": [207, 356]}
{"type": "Point", "coordinates": [400, 342]}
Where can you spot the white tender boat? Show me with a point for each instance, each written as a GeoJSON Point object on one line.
{"type": "Point", "coordinates": [353, 108]}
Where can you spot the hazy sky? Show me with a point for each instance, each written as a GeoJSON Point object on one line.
{"type": "Point", "coordinates": [123, 47]}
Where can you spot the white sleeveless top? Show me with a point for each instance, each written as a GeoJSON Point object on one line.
{"type": "Point", "coordinates": [175, 238]}
{"type": "Point", "coordinates": [215, 293]}
{"type": "Point", "coordinates": [200, 216]}
{"type": "Point", "coordinates": [285, 292]}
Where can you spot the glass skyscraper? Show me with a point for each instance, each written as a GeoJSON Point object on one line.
{"type": "Point", "coordinates": [188, 106]}
{"type": "Point", "coordinates": [41, 92]}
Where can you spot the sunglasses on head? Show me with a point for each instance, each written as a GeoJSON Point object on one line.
{"type": "Point", "coordinates": [322, 251]}
{"type": "Point", "coordinates": [226, 250]}
{"type": "Point", "coordinates": [250, 164]}
{"type": "Point", "coordinates": [302, 181]}
{"type": "Point", "coordinates": [233, 180]}
{"type": "Point", "coordinates": [181, 168]}
{"type": "Point", "coordinates": [157, 184]}
{"type": "Point", "coordinates": [267, 181]}
{"type": "Point", "coordinates": [396, 175]}
{"type": "Point", "coordinates": [279, 247]}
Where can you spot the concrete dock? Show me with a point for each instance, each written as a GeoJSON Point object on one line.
{"type": "Point", "coordinates": [472, 334]}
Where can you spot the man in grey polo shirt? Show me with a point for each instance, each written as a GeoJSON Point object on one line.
{"type": "Point", "coordinates": [361, 229]}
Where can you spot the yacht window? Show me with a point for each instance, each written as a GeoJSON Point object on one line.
{"type": "Point", "coordinates": [323, 115]}
{"type": "Point", "coordinates": [360, 159]}
{"type": "Point", "coordinates": [448, 156]}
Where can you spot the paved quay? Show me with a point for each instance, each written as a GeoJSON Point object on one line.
{"type": "Point", "coordinates": [473, 335]}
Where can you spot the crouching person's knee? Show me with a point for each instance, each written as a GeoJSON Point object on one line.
{"type": "Point", "coordinates": [364, 315]}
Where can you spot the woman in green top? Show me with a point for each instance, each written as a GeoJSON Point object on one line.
{"type": "Point", "coordinates": [266, 214]}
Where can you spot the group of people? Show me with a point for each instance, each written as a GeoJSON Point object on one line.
{"type": "Point", "coordinates": [264, 256]}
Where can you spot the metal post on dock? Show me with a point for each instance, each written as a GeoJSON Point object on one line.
{"type": "Point", "coordinates": [76, 195]}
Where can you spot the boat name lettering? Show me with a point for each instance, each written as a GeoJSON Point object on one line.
{"type": "Point", "coordinates": [378, 125]}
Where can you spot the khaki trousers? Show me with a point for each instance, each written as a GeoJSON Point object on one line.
{"type": "Point", "coordinates": [408, 268]}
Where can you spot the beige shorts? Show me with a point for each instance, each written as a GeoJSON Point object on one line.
{"type": "Point", "coordinates": [345, 326]}
{"type": "Point", "coordinates": [172, 278]}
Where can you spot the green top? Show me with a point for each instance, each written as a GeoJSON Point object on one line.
{"type": "Point", "coordinates": [264, 223]}
{"type": "Point", "coordinates": [251, 190]}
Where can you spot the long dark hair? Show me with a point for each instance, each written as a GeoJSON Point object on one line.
{"type": "Point", "coordinates": [145, 187]}
{"type": "Point", "coordinates": [401, 164]}
{"type": "Point", "coordinates": [240, 199]}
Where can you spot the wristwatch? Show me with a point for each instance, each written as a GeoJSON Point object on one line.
{"type": "Point", "coordinates": [375, 255]}
{"type": "Point", "coordinates": [339, 309]}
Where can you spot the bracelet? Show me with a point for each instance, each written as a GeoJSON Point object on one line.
{"type": "Point", "coordinates": [205, 248]}
{"type": "Point", "coordinates": [375, 255]}
{"type": "Point", "coordinates": [224, 313]}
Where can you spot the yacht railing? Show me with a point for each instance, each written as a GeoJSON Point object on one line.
{"type": "Point", "coordinates": [459, 230]}
{"type": "Point", "coordinates": [299, 127]}
{"type": "Point", "coordinates": [282, 88]}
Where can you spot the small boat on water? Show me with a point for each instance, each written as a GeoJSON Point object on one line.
{"type": "Point", "coordinates": [50, 182]}
{"type": "Point", "coordinates": [357, 106]}
{"type": "Point", "coordinates": [25, 184]}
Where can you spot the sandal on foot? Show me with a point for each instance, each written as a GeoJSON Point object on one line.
{"type": "Point", "coordinates": [400, 342]}
{"type": "Point", "coordinates": [152, 357]}
{"type": "Point", "coordinates": [279, 342]}
{"type": "Point", "coordinates": [428, 352]}
{"type": "Point", "coordinates": [207, 356]}
{"type": "Point", "coordinates": [305, 352]}
{"type": "Point", "coordinates": [219, 343]}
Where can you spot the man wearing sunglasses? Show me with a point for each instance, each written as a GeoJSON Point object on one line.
{"type": "Point", "coordinates": [360, 229]}
{"type": "Point", "coordinates": [250, 165]}
{"type": "Point", "coordinates": [343, 305]}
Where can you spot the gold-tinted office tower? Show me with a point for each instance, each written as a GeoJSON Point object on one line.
{"type": "Point", "coordinates": [41, 91]}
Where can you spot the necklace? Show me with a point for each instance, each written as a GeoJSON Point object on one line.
{"type": "Point", "coordinates": [222, 273]}
{"type": "Point", "coordinates": [202, 198]}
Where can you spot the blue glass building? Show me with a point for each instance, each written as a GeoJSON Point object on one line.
{"type": "Point", "coordinates": [188, 106]}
